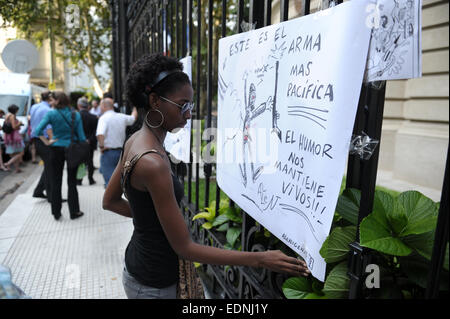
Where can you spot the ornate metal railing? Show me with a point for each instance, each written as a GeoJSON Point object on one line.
{"type": "Point", "coordinates": [236, 282]}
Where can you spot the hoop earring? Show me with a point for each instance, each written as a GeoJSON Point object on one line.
{"type": "Point", "coordinates": [148, 123]}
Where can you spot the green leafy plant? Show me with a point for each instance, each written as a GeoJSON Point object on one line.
{"type": "Point", "coordinates": [208, 214]}
{"type": "Point", "coordinates": [228, 219]}
{"type": "Point", "coordinates": [400, 232]}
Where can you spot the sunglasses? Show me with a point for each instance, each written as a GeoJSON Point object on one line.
{"type": "Point", "coordinates": [188, 106]}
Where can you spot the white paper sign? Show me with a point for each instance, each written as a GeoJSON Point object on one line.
{"type": "Point", "coordinates": [178, 142]}
{"type": "Point", "coordinates": [287, 101]}
{"type": "Point", "coordinates": [395, 50]}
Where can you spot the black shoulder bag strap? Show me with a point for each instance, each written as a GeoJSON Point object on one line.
{"type": "Point", "coordinates": [73, 128]}
{"type": "Point", "coordinates": [70, 125]}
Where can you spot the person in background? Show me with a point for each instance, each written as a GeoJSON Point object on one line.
{"type": "Point", "coordinates": [60, 119]}
{"type": "Point", "coordinates": [28, 139]}
{"type": "Point", "coordinates": [90, 127]}
{"type": "Point", "coordinates": [153, 193]}
{"type": "Point", "coordinates": [109, 95]}
{"type": "Point", "coordinates": [37, 113]}
{"type": "Point", "coordinates": [14, 144]}
{"type": "Point", "coordinates": [111, 136]}
{"type": "Point", "coordinates": [95, 108]}
{"type": "Point", "coordinates": [2, 166]}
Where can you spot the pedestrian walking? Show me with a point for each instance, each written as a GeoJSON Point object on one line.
{"type": "Point", "coordinates": [157, 84]}
{"type": "Point", "coordinates": [14, 145]}
{"type": "Point", "coordinates": [111, 136]}
{"type": "Point", "coordinates": [2, 165]}
{"type": "Point", "coordinates": [95, 108]}
{"type": "Point", "coordinates": [37, 113]}
{"type": "Point", "coordinates": [90, 127]}
{"type": "Point", "coordinates": [62, 120]}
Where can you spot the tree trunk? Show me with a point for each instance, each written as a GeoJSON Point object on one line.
{"type": "Point", "coordinates": [90, 61]}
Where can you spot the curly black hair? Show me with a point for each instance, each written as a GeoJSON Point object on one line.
{"type": "Point", "coordinates": [144, 72]}
{"type": "Point", "coordinates": [13, 109]}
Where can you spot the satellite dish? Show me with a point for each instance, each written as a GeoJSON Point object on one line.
{"type": "Point", "coordinates": [20, 56]}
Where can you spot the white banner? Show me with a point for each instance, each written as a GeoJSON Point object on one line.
{"type": "Point", "coordinates": [287, 101]}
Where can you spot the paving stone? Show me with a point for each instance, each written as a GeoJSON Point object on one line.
{"type": "Point", "coordinates": [69, 259]}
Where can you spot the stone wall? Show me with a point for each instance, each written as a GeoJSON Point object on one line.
{"type": "Point", "coordinates": [415, 127]}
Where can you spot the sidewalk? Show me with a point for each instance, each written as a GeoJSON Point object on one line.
{"type": "Point", "coordinates": [65, 259]}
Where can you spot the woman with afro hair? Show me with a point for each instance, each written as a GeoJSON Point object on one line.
{"type": "Point", "coordinates": [157, 85]}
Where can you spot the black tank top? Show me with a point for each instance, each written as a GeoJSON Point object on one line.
{"type": "Point", "coordinates": [149, 258]}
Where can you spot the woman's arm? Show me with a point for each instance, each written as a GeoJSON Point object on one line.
{"type": "Point", "coordinates": [49, 132]}
{"type": "Point", "coordinates": [38, 131]}
{"type": "Point", "coordinates": [112, 199]}
{"type": "Point", "coordinates": [47, 141]}
{"type": "Point", "coordinates": [155, 175]}
{"type": "Point", "coordinates": [16, 124]}
{"type": "Point", "coordinates": [101, 142]}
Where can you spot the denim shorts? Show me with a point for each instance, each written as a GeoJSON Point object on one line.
{"type": "Point", "coordinates": [135, 290]}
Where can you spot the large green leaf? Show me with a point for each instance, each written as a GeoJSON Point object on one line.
{"type": "Point", "coordinates": [207, 225]}
{"type": "Point", "coordinates": [397, 217]}
{"type": "Point", "coordinates": [396, 225]}
{"type": "Point", "coordinates": [337, 283]}
{"type": "Point", "coordinates": [422, 243]}
{"type": "Point", "coordinates": [219, 220]}
{"type": "Point", "coordinates": [233, 234]}
{"type": "Point", "coordinates": [223, 227]}
{"type": "Point", "coordinates": [420, 211]}
{"type": "Point", "coordinates": [336, 246]}
{"type": "Point", "coordinates": [385, 205]}
{"type": "Point", "coordinates": [417, 206]}
{"type": "Point", "coordinates": [383, 202]}
{"type": "Point", "coordinates": [376, 233]}
{"type": "Point", "coordinates": [348, 205]}
{"type": "Point", "coordinates": [223, 204]}
{"type": "Point", "coordinates": [419, 227]}
{"type": "Point", "coordinates": [233, 214]}
{"type": "Point", "coordinates": [297, 288]}
{"type": "Point", "coordinates": [324, 249]}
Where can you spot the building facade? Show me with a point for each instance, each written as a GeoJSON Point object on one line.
{"type": "Point", "coordinates": [52, 69]}
{"type": "Point", "coordinates": [415, 129]}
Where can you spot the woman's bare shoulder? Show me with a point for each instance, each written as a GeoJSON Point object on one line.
{"type": "Point", "coordinates": [151, 161]}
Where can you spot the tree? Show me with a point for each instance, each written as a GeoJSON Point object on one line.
{"type": "Point", "coordinates": [231, 28]}
{"type": "Point", "coordinates": [82, 27]}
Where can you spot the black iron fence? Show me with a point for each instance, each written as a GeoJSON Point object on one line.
{"type": "Point", "coordinates": [179, 28]}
